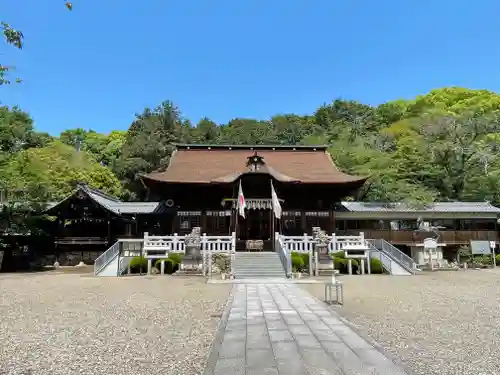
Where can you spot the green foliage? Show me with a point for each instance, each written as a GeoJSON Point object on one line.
{"type": "Point", "coordinates": [376, 266]}
{"type": "Point", "coordinates": [52, 172]}
{"type": "Point", "coordinates": [484, 260]}
{"type": "Point", "coordinates": [341, 263]}
{"type": "Point", "coordinates": [138, 264]}
{"type": "Point", "coordinates": [297, 262]}
{"type": "Point", "coordinates": [15, 38]}
{"type": "Point", "coordinates": [175, 257]}
{"type": "Point", "coordinates": [222, 261]}
{"type": "Point", "coordinates": [170, 265]}
{"type": "Point", "coordinates": [305, 261]}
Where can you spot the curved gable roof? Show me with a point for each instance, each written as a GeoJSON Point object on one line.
{"type": "Point", "coordinates": [219, 165]}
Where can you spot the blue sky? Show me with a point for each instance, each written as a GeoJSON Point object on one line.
{"type": "Point", "coordinates": [97, 66]}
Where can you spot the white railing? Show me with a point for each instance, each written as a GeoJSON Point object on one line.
{"type": "Point", "coordinates": [125, 248]}
{"type": "Point", "coordinates": [161, 246]}
{"type": "Point", "coordinates": [305, 243]}
{"type": "Point", "coordinates": [285, 256]}
{"type": "Point", "coordinates": [105, 258]}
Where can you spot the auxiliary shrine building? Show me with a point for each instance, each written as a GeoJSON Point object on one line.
{"type": "Point", "coordinates": [200, 188]}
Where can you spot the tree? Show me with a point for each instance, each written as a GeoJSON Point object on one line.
{"type": "Point", "coordinates": [148, 143]}
{"type": "Point", "coordinates": [15, 38]}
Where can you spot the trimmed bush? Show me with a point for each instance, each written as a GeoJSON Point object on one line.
{"type": "Point", "coordinates": [497, 258]}
{"type": "Point", "coordinates": [176, 257]}
{"type": "Point", "coordinates": [339, 254]}
{"type": "Point", "coordinates": [170, 265]}
{"type": "Point", "coordinates": [297, 262]}
{"type": "Point", "coordinates": [305, 258]}
{"type": "Point", "coordinates": [137, 263]}
{"type": "Point", "coordinates": [376, 266]}
{"type": "Point", "coordinates": [341, 264]}
{"type": "Point", "coordinates": [158, 262]}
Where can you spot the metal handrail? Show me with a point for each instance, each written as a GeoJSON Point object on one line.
{"type": "Point", "coordinates": [285, 258]}
{"type": "Point", "coordinates": [105, 258]}
{"type": "Point", "coordinates": [393, 252]}
{"type": "Point", "coordinates": [384, 259]}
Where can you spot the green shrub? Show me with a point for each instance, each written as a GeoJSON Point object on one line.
{"type": "Point", "coordinates": [484, 260]}
{"type": "Point", "coordinates": [305, 258]}
{"type": "Point", "coordinates": [137, 263]}
{"type": "Point", "coordinates": [338, 254]}
{"type": "Point", "coordinates": [341, 264]}
{"type": "Point", "coordinates": [222, 261]}
{"type": "Point", "coordinates": [297, 262]}
{"type": "Point", "coordinates": [305, 261]}
{"type": "Point", "coordinates": [376, 266]}
{"type": "Point", "coordinates": [170, 265]}
{"type": "Point", "coordinates": [176, 257]}
{"type": "Point", "coordinates": [497, 258]}
{"type": "Point", "coordinates": [158, 263]}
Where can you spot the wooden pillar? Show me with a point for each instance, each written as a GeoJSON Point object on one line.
{"type": "Point", "coordinates": [303, 223]}
{"type": "Point", "coordinates": [203, 221]}
{"type": "Point", "coordinates": [332, 221]}
{"type": "Point", "coordinates": [109, 229]}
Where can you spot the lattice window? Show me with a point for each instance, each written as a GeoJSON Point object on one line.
{"type": "Point", "coordinates": [317, 219]}
{"type": "Point", "coordinates": [292, 223]}
{"type": "Point", "coordinates": [218, 222]}
{"type": "Point", "coordinates": [188, 220]}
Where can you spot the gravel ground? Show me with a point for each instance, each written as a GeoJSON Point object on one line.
{"type": "Point", "coordinates": [436, 323]}
{"type": "Point", "coordinates": [59, 323]}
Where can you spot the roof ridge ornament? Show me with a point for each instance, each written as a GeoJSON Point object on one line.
{"type": "Point", "coordinates": [255, 162]}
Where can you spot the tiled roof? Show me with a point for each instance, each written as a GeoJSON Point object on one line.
{"type": "Point", "coordinates": [446, 207]}
{"type": "Point", "coordinates": [212, 165]}
{"type": "Point", "coordinates": [112, 203]}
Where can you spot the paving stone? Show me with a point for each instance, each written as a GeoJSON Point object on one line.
{"type": "Point", "coordinates": [256, 330]}
{"type": "Point", "coordinates": [299, 330]}
{"type": "Point", "coordinates": [239, 335]}
{"type": "Point", "coordinates": [293, 320]}
{"type": "Point", "coordinates": [280, 330]}
{"type": "Point", "coordinates": [331, 320]}
{"type": "Point", "coordinates": [348, 361]}
{"type": "Point", "coordinates": [285, 350]}
{"type": "Point", "coordinates": [280, 335]}
{"type": "Point", "coordinates": [262, 371]}
{"type": "Point", "coordinates": [307, 341]}
{"type": "Point", "coordinates": [256, 320]}
{"type": "Point", "coordinates": [263, 358]}
{"type": "Point", "coordinates": [233, 366]}
{"type": "Point", "coordinates": [291, 366]}
{"type": "Point", "coordinates": [276, 324]}
{"type": "Point", "coordinates": [327, 336]}
{"type": "Point", "coordinates": [354, 341]}
{"type": "Point", "coordinates": [317, 362]}
{"type": "Point", "coordinates": [232, 349]}
{"type": "Point", "coordinates": [259, 344]}
{"type": "Point", "coordinates": [318, 326]}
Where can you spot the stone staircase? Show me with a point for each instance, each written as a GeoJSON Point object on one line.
{"type": "Point", "coordinates": [257, 265]}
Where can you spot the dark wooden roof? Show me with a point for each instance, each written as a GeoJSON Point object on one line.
{"type": "Point", "coordinates": [225, 164]}
{"type": "Point", "coordinates": [108, 202]}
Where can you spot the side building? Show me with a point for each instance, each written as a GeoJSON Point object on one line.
{"type": "Point", "coordinates": [452, 224]}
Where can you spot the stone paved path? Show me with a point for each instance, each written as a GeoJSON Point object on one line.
{"type": "Point", "coordinates": [281, 329]}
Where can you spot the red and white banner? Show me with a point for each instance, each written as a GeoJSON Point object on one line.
{"type": "Point", "coordinates": [241, 202]}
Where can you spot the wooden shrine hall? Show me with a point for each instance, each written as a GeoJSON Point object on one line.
{"type": "Point", "coordinates": [201, 183]}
